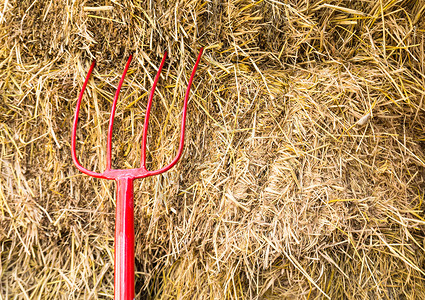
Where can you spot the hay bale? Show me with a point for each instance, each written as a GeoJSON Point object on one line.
{"type": "Point", "coordinates": [303, 172]}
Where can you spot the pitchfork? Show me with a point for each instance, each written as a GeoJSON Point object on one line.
{"type": "Point", "coordinates": [124, 223]}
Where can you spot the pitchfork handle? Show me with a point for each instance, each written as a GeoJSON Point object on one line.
{"type": "Point", "coordinates": [124, 240]}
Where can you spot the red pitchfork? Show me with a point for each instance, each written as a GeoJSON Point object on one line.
{"type": "Point", "coordinates": [124, 223]}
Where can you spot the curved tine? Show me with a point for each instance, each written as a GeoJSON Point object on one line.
{"type": "Point", "coordinates": [74, 129]}
{"type": "Point", "coordinates": [148, 111]}
{"type": "Point", "coordinates": [111, 119]}
{"type": "Point", "coordinates": [186, 98]}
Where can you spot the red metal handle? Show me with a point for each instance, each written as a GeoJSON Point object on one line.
{"type": "Point", "coordinates": [124, 240]}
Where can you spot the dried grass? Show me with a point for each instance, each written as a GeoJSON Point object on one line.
{"type": "Point", "coordinates": [303, 172]}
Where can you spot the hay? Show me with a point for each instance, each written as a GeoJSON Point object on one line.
{"type": "Point", "coordinates": [303, 172]}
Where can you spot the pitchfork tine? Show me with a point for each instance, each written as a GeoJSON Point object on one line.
{"type": "Point", "coordinates": [148, 111]}
{"type": "Point", "coordinates": [111, 119]}
{"type": "Point", "coordinates": [74, 128]}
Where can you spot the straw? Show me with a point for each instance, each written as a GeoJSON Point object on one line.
{"type": "Point", "coordinates": [302, 175]}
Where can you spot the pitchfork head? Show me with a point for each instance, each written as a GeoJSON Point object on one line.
{"type": "Point", "coordinates": [140, 172]}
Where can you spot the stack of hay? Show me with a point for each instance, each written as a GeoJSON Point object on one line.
{"type": "Point", "coordinates": [303, 171]}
